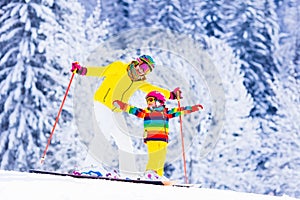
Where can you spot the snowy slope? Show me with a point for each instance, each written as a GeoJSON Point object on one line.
{"type": "Point", "coordinates": [22, 185]}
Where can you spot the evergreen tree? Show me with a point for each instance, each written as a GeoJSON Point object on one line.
{"type": "Point", "coordinates": [171, 15]}
{"type": "Point", "coordinates": [288, 53]}
{"type": "Point", "coordinates": [252, 31]}
{"type": "Point", "coordinates": [193, 19]}
{"type": "Point", "coordinates": [209, 13]}
{"type": "Point", "coordinates": [146, 14]}
{"type": "Point", "coordinates": [157, 14]}
{"type": "Point", "coordinates": [26, 86]}
{"type": "Point", "coordinates": [276, 163]}
{"type": "Point", "coordinates": [32, 83]}
{"type": "Point", "coordinates": [95, 29]}
{"type": "Point", "coordinates": [284, 143]}
{"type": "Point", "coordinates": [117, 13]}
{"type": "Point", "coordinates": [237, 131]}
{"type": "Point", "coordinates": [65, 44]}
{"type": "Point", "coordinates": [288, 135]}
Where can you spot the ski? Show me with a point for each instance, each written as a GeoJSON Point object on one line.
{"type": "Point", "coordinates": [152, 182]}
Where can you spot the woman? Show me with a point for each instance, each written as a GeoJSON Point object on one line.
{"type": "Point", "coordinates": [121, 80]}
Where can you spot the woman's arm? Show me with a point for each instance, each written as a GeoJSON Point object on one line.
{"type": "Point", "coordinates": [95, 71]}
{"type": "Point", "coordinates": [103, 71]}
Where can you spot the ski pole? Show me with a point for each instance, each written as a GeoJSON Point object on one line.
{"type": "Point", "coordinates": [56, 120]}
{"type": "Point", "coordinates": [182, 140]}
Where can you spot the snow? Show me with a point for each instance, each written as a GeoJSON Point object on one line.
{"type": "Point", "coordinates": [23, 185]}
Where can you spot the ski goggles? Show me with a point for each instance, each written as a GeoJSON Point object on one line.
{"type": "Point", "coordinates": [150, 99]}
{"type": "Point", "coordinates": [143, 68]}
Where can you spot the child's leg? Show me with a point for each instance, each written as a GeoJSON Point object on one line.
{"type": "Point", "coordinates": [157, 152]}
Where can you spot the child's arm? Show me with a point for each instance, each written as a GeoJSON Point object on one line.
{"type": "Point", "coordinates": [129, 109]}
{"type": "Point", "coordinates": [175, 112]}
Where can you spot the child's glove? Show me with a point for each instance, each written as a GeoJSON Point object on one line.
{"type": "Point", "coordinates": [200, 106]}
{"type": "Point", "coordinates": [78, 69]}
{"type": "Point", "coordinates": [119, 104]}
{"type": "Point", "coordinates": [174, 94]}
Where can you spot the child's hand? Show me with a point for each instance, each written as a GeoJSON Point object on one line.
{"type": "Point", "coordinates": [119, 104]}
{"type": "Point", "coordinates": [200, 106]}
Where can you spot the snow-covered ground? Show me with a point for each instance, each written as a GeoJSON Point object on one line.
{"type": "Point", "coordinates": [23, 185]}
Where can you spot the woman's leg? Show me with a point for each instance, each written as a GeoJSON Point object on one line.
{"type": "Point", "coordinates": [117, 130]}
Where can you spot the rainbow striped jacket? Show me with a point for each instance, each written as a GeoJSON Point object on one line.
{"type": "Point", "coordinates": [156, 121]}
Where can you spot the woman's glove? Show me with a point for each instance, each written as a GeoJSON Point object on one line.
{"type": "Point", "coordinates": [175, 94]}
{"type": "Point", "coordinates": [119, 104]}
{"type": "Point", "coordinates": [78, 69]}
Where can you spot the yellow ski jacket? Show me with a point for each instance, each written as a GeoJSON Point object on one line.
{"type": "Point", "coordinates": [117, 85]}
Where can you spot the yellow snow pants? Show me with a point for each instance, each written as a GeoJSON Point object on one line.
{"type": "Point", "coordinates": [157, 152]}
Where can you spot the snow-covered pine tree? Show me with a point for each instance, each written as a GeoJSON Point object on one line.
{"type": "Point", "coordinates": [95, 29]}
{"type": "Point", "coordinates": [207, 15]}
{"type": "Point", "coordinates": [68, 41]}
{"type": "Point", "coordinates": [193, 19]}
{"type": "Point", "coordinates": [155, 13]}
{"type": "Point", "coordinates": [288, 52]}
{"type": "Point", "coordinates": [95, 33]}
{"type": "Point", "coordinates": [171, 15]}
{"type": "Point", "coordinates": [283, 174]}
{"type": "Point", "coordinates": [117, 13]}
{"type": "Point", "coordinates": [275, 163]}
{"type": "Point", "coordinates": [32, 83]}
{"type": "Point", "coordinates": [65, 44]}
{"type": "Point", "coordinates": [283, 143]}
{"type": "Point", "coordinates": [164, 14]}
{"type": "Point", "coordinates": [251, 29]}
{"type": "Point", "coordinates": [145, 13]}
{"type": "Point", "coordinates": [212, 170]}
{"type": "Point", "coordinates": [27, 85]}
{"type": "Point", "coordinates": [288, 55]}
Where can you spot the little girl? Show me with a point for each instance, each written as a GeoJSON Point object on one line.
{"type": "Point", "coordinates": [156, 126]}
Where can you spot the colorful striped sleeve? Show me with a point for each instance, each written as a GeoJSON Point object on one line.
{"type": "Point", "coordinates": [139, 112]}
{"type": "Point", "coordinates": [175, 112]}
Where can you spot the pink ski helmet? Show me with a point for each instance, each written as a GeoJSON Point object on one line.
{"type": "Point", "coordinates": [157, 95]}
